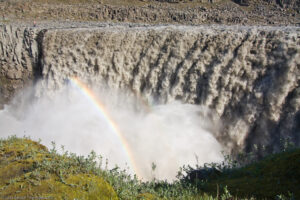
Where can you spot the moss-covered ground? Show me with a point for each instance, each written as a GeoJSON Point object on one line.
{"type": "Point", "coordinates": [29, 170]}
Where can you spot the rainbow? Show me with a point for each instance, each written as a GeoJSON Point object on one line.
{"type": "Point", "coordinates": [113, 126]}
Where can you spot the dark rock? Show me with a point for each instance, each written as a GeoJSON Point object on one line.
{"type": "Point", "coordinates": [203, 174]}
{"type": "Point", "coordinates": [243, 2]}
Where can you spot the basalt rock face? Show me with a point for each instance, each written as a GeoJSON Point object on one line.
{"type": "Point", "coordinates": [249, 76]}
{"type": "Point", "coordinates": [19, 56]}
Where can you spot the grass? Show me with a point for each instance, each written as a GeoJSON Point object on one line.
{"type": "Point", "coordinates": [29, 169]}
{"type": "Point", "coordinates": [275, 174]}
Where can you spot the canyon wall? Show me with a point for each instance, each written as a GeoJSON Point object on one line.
{"type": "Point", "coordinates": [248, 76]}
{"type": "Point", "coordinates": [19, 60]}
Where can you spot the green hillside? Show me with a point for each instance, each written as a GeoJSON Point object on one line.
{"type": "Point", "coordinates": [29, 170]}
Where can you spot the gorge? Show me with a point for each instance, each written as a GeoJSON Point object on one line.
{"type": "Point", "coordinates": [239, 84]}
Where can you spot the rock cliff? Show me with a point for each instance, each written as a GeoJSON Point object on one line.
{"type": "Point", "coordinates": [19, 58]}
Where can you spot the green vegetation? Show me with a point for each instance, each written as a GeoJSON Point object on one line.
{"type": "Point", "coordinates": [265, 179]}
{"type": "Point", "coordinates": [276, 174]}
{"type": "Point", "coordinates": [29, 169]}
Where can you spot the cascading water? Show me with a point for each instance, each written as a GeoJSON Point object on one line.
{"type": "Point", "coordinates": [171, 90]}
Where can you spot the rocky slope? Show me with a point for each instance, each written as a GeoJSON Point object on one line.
{"type": "Point", "coordinates": [249, 76]}
{"type": "Point", "coordinates": [256, 12]}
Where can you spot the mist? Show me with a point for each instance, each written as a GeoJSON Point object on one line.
{"type": "Point", "coordinates": [170, 135]}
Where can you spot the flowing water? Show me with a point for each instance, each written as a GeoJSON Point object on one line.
{"type": "Point", "coordinates": [169, 95]}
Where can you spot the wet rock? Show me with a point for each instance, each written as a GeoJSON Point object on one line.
{"type": "Point", "coordinates": [14, 74]}
{"type": "Point", "coordinates": [243, 2]}
{"type": "Point", "coordinates": [17, 67]}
